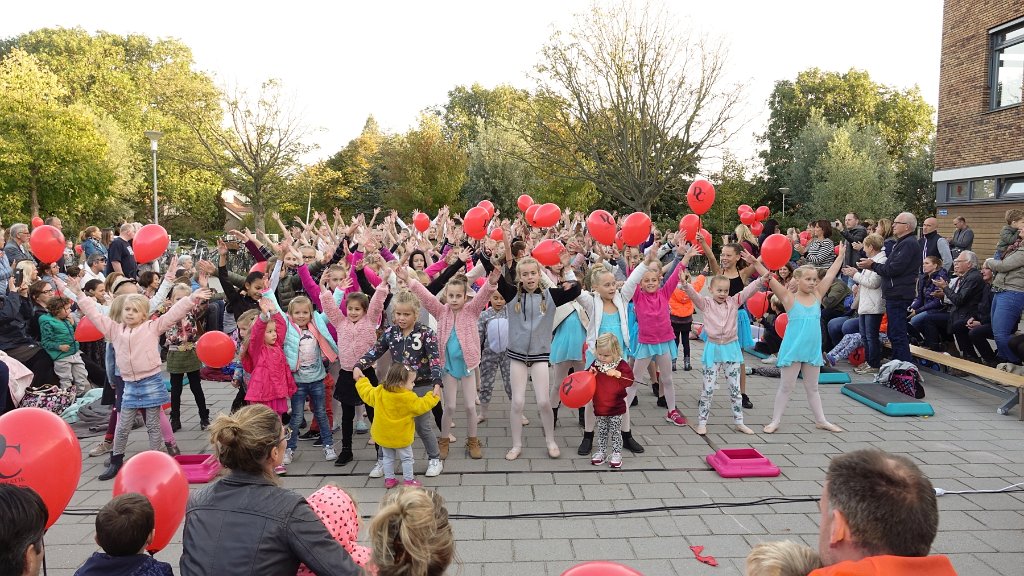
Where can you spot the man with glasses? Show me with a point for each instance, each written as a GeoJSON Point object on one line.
{"type": "Point", "coordinates": [96, 264]}
{"type": "Point", "coordinates": [17, 241]}
{"type": "Point", "coordinates": [899, 281]}
{"type": "Point", "coordinates": [963, 294]}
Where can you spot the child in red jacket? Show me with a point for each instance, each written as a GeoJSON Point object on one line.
{"type": "Point", "coordinates": [613, 376]}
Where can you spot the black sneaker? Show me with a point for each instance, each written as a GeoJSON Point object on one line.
{"type": "Point", "coordinates": [674, 366]}
{"type": "Point", "coordinates": [204, 422]}
{"type": "Point", "coordinates": [175, 423]}
{"type": "Point", "coordinates": [635, 402]}
{"type": "Point", "coordinates": [344, 458]}
{"type": "Point", "coordinates": [747, 404]}
{"type": "Point", "coordinates": [661, 402]}
{"type": "Point", "coordinates": [303, 425]}
{"type": "Point", "coordinates": [629, 443]}
{"type": "Point", "coordinates": [310, 435]}
{"type": "Point", "coordinates": [686, 364]}
{"type": "Point", "coordinates": [319, 440]}
{"type": "Point", "coordinates": [112, 469]}
{"type": "Point", "coordinates": [585, 445]}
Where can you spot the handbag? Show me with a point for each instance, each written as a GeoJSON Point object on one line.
{"type": "Point", "coordinates": [52, 398]}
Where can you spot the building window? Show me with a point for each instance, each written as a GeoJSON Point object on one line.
{"type": "Point", "coordinates": [983, 189]}
{"type": "Point", "coordinates": [1007, 66]}
{"type": "Point", "coordinates": [1014, 187]}
{"type": "Point", "coordinates": [958, 191]}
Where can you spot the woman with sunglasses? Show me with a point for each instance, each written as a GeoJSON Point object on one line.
{"type": "Point", "coordinates": [245, 523]}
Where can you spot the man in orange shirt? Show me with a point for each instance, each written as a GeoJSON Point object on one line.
{"type": "Point", "coordinates": [879, 516]}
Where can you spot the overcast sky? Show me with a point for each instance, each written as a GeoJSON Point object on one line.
{"type": "Point", "coordinates": [345, 60]}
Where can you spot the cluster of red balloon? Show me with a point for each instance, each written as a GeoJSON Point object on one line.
{"type": "Point", "coordinates": [477, 219]}
{"type": "Point", "coordinates": [754, 218]}
{"type": "Point", "coordinates": [700, 196]}
{"type": "Point", "coordinates": [635, 230]}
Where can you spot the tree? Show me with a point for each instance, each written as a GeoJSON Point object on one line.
{"type": "Point", "coordinates": [422, 169]}
{"type": "Point", "coordinates": [853, 176]}
{"type": "Point", "coordinates": [733, 187]}
{"type": "Point", "coordinates": [53, 151]}
{"type": "Point", "coordinates": [636, 103]}
{"type": "Point", "coordinates": [259, 150]}
{"type": "Point", "coordinates": [360, 173]}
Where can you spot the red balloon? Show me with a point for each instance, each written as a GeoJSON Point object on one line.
{"type": "Point", "coordinates": [488, 206]}
{"type": "Point", "coordinates": [601, 568]}
{"type": "Point", "coordinates": [421, 221]}
{"type": "Point", "coordinates": [37, 222]}
{"type": "Point", "coordinates": [757, 227]}
{"type": "Point", "coordinates": [747, 218]}
{"type": "Point", "coordinates": [547, 215]}
{"type": "Point", "coordinates": [700, 196]}
{"type": "Point", "coordinates": [497, 234]}
{"type": "Point", "coordinates": [259, 267]}
{"type": "Point", "coordinates": [689, 226]}
{"type": "Point", "coordinates": [78, 248]}
{"type": "Point", "coordinates": [38, 450]}
{"type": "Point", "coordinates": [577, 389]}
{"type": "Point", "coordinates": [757, 304]}
{"type": "Point", "coordinates": [636, 228]}
{"type": "Point", "coordinates": [86, 331]}
{"type": "Point", "coordinates": [475, 222]}
{"type": "Point", "coordinates": [619, 242]}
{"type": "Point", "coordinates": [159, 478]}
{"type": "Point", "coordinates": [548, 252]}
{"type": "Point", "coordinates": [150, 243]}
{"type": "Point", "coordinates": [763, 213]}
{"type": "Point", "coordinates": [780, 324]}
{"type": "Point", "coordinates": [601, 226]}
{"type": "Point", "coordinates": [47, 244]}
{"type": "Point", "coordinates": [531, 213]}
{"type": "Point", "coordinates": [215, 349]}
{"type": "Point", "coordinates": [744, 208]}
{"type": "Point", "coordinates": [805, 237]}
{"type": "Point", "coordinates": [775, 251]}
{"type": "Point", "coordinates": [524, 202]}
{"type": "Point", "coordinates": [857, 357]}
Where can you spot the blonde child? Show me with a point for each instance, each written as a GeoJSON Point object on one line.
{"type": "Point", "coordinates": [783, 558]}
{"type": "Point", "coordinates": [182, 358]}
{"type": "Point", "coordinates": [613, 376]}
{"type": "Point", "coordinates": [493, 325]}
{"type": "Point", "coordinates": [530, 321]}
{"type": "Point", "coordinates": [57, 330]}
{"type": "Point", "coordinates": [411, 344]}
{"type": "Point", "coordinates": [340, 515]}
{"type": "Point", "coordinates": [459, 349]}
{"type": "Point", "coordinates": [722, 349]}
{"type": "Point", "coordinates": [395, 408]}
{"type": "Point", "coordinates": [801, 345]}
{"type": "Point", "coordinates": [411, 534]}
{"type": "Point", "coordinates": [357, 332]}
{"type": "Point", "coordinates": [136, 343]}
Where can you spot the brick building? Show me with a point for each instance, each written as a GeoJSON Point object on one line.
{"type": "Point", "coordinates": [979, 148]}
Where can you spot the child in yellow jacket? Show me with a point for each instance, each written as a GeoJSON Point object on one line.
{"type": "Point", "coordinates": [395, 406]}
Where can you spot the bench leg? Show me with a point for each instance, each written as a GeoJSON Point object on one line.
{"type": "Point", "coordinates": [1011, 402]}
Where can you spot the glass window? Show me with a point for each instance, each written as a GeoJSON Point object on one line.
{"type": "Point", "coordinates": [1013, 187]}
{"type": "Point", "coordinates": [1007, 67]}
{"type": "Point", "coordinates": [956, 191]}
{"type": "Point", "coordinates": [982, 189]}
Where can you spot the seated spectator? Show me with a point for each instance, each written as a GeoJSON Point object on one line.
{"type": "Point", "coordinates": [927, 303]}
{"type": "Point", "coordinates": [879, 516]}
{"type": "Point", "coordinates": [784, 558]}
{"type": "Point", "coordinates": [94, 267]}
{"type": "Point", "coordinates": [973, 335]}
{"type": "Point", "coordinates": [16, 318]}
{"type": "Point", "coordinates": [222, 517]}
{"type": "Point", "coordinates": [770, 341]}
{"type": "Point", "coordinates": [22, 525]}
{"type": "Point", "coordinates": [963, 294]}
{"type": "Point", "coordinates": [410, 534]}
{"type": "Point", "coordinates": [124, 528]}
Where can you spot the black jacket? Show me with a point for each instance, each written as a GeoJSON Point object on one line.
{"type": "Point", "coordinates": [100, 564]}
{"type": "Point", "coordinates": [16, 318]}
{"type": "Point", "coordinates": [856, 234]}
{"type": "Point", "coordinates": [984, 313]}
{"type": "Point", "coordinates": [966, 297]}
{"type": "Point", "coordinates": [899, 272]}
{"type": "Point", "coordinates": [244, 525]}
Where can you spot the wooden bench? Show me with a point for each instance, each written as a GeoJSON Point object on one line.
{"type": "Point", "coordinates": [1003, 379]}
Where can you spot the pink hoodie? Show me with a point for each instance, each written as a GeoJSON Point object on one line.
{"type": "Point", "coordinates": [464, 323]}
{"type": "Point", "coordinates": [336, 510]}
{"type": "Point", "coordinates": [355, 338]}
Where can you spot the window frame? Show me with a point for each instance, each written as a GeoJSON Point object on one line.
{"type": "Point", "coordinates": [1005, 183]}
{"type": "Point", "coordinates": [996, 49]}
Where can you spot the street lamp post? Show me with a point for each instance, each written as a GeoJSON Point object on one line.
{"type": "Point", "coordinates": [784, 191]}
{"type": "Point", "coordinates": [153, 136]}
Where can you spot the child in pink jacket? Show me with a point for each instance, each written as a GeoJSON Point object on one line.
{"type": "Point", "coordinates": [136, 342]}
{"type": "Point", "coordinates": [338, 512]}
{"type": "Point", "coordinates": [459, 348]}
{"type": "Point", "coordinates": [270, 378]}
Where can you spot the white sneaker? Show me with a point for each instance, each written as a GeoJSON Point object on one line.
{"type": "Point", "coordinates": [329, 454]}
{"type": "Point", "coordinates": [772, 359]}
{"type": "Point", "coordinates": [288, 456]}
{"type": "Point", "coordinates": [434, 467]}
{"type": "Point", "coordinates": [378, 470]}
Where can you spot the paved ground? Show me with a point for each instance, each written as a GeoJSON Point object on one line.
{"type": "Point", "coordinates": [965, 446]}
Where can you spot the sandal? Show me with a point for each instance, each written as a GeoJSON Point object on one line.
{"type": "Point", "coordinates": [513, 453]}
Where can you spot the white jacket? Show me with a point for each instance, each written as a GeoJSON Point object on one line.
{"type": "Point", "coordinates": [869, 296]}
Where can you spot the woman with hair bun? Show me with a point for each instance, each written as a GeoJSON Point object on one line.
{"type": "Point", "coordinates": [245, 523]}
{"type": "Point", "coordinates": [410, 534]}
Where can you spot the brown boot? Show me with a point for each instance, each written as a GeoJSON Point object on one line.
{"type": "Point", "coordinates": [442, 446]}
{"type": "Point", "coordinates": [473, 448]}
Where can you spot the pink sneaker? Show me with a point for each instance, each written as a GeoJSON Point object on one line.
{"type": "Point", "coordinates": [675, 417]}
{"type": "Point", "coordinates": [390, 483]}
{"type": "Point", "coordinates": [413, 483]}
{"type": "Point", "coordinates": [280, 470]}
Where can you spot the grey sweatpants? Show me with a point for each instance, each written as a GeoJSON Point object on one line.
{"type": "Point", "coordinates": [72, 372]}
{"type": "Point", "coordinates": [425, 426]}
{"type": "Point", "coordinates": [124, 427]}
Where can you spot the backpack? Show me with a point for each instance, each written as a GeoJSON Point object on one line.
{"type": "Point", "coordinates": [902, 377]}
{"type": "Point", "coordinates": [497, 335]}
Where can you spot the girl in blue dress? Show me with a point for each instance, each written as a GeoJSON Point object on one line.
{"type": "Point", "coordinates": [801, 344]}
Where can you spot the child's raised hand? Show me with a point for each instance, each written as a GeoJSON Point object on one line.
{"type": "Point", "coordinates": [402, 273]}
{"type": "Point", "coordinates": [266, 305]}
{"type": "Point", "coordinates": [346, 283]}
{"type": "Point", "coordinates": [202, 294]}
{"type": "Point", "coordinates": [493, 277]}
{"type": "Point", "coordinates": [385, 274]}
{"type": "Point", "coordinates": [222, 247]}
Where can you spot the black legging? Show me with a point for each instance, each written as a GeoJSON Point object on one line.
{"type": "Point", "coordinates": [1017, 345]}
{"type": "Point", "coordinates": [195, 384]}
{"type": "Point", "coordinates": [682, 333]}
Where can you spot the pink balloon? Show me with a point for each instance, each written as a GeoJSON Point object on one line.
{"type": "Point", "coordinates": [601, 568]}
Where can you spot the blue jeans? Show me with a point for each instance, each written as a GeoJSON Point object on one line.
{"type": "Point", "coordinates": [897, 331]}
{"type": "Point", "coordinates": [841, 326]}
{"type": "Point", "coordinates": [314, 390]}
{"type": "Point", "coordinates": [1006, 309]}
{"type": "Point", "coordinates": [869, 325]}
{"type": "Point", "coordinates": [932, 326]}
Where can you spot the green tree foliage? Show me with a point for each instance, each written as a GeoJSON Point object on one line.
{"type": "Point", "coordinates": [733, 186]}
{"type": "Point", "coordinates": [630, 104]}
{"type": "Point", "coordinates": [51, 153]}
{"type": "Point", "coordinates": [900, 116]}
{"type": "Point", "coordinates": [423, 169]}
{"type": "Point", "coordinates": [360, 173]}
